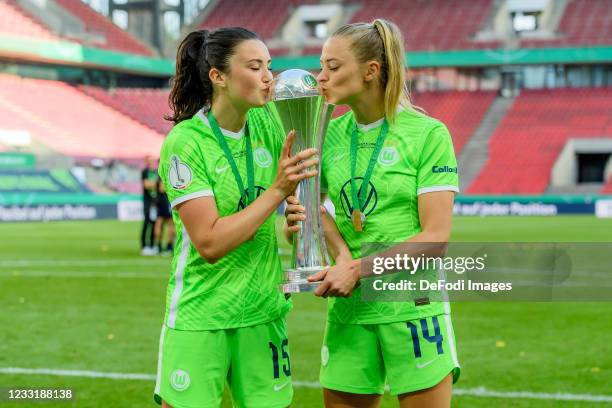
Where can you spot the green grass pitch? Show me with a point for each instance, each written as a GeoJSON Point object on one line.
{"type": "Point", "coordinates": [64, 307]}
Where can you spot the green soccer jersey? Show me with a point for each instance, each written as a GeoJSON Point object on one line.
{"type": "Point", "coordinates": [241, 289]}
{"type": "Point", "coordinates": [417, 157]}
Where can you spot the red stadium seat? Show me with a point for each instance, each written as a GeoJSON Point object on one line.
{"type": "Point", "coordinates": [265, 17]}
{"type": "Point", "coordinates": [584, 22]}
{"type": "Point", "coordinates": [147, 106]}
{"type": "Point", "coordinates": [526, 144]}
{"type": "Point", "coordinates": [460, 111]}
{"type": "Point", "coordinates": [607, 188]}
{"type": "Point", "coordinates": [432, 24]}
{"type": "Point", "coordinates": [115, 38]}
{"type": "Point", "coordinates": [72, 123]}
{"type": "Point", "coordinates": [16, 22]}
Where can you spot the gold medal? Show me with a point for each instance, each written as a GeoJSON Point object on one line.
{"type": "Point", "coordinates": [358, 220]}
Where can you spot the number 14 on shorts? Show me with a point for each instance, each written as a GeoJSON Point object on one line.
{"type": "Point", "coordinates": [436, 337]}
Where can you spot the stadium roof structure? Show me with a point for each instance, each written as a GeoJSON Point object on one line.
{"type": "Point", "coordinates": [69, 32]}
{"type": "Point", "coordinates": [68, 53]}
{"type": "Point", "coordinates": [26, 35]}
{"type": "Point", "coordinates": [73, 54]}
{"type": "Point", "coordinates": [477, 58]}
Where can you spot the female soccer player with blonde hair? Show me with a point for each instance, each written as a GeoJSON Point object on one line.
{"type": "Point", "coordinates": [380, 167]}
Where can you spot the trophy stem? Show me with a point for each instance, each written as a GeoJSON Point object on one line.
{"type": "Point", "coordinates": [297, 105]}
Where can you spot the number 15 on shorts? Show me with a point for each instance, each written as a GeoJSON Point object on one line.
{"type": "Point", "coordinates": [284, 355]}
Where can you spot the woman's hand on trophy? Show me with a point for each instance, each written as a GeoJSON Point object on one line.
{"type": "Point", "coordinates": [291, 168]}
{"type": "Point", "coordinates": [338, 280]}
{"type": "Point", "coordinates": [294, 213]}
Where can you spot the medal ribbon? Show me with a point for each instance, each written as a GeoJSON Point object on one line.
{"type": "Point", "coordinates": [359, 199]}
{"type": "Point", "coordinates": [228, 155]}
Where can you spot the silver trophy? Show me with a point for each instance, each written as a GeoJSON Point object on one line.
{"type": "Point", "coordinates": [297, 105]}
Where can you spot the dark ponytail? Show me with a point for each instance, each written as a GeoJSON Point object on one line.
{"type": "Point", "coordinates": [200, 51]}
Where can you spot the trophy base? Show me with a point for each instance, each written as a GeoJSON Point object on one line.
{"type": "Point", "coordinates": [296, 279]}
{"type": "Point", "coordinates": [298, 287]}
{"type": "Point", "coordinates": [302, 274]}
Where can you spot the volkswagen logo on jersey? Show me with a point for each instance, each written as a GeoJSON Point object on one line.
{"type": "Point", "coordinates": [371, 197]}
{"type": "Point", "coordinates": [179, 173]}
{"type": "Point", "coordinates": [388, 156]}
{"type": "Point", "coordinates": [241, 204]}
{"type": "Point", "coordinates": [262, 157]}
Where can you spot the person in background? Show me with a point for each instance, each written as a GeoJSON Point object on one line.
{"type": "Point", "coordinates": [149, 194]}
{"type": "Point", "coordinates": [164, 221]}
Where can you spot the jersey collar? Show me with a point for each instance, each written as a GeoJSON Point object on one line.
{"type": "Point", "coordinates": [367, 127]}
{"type": "Point", "coordinates": [228, 133]}
{"type": "Point", "coordinates": [370, 126]}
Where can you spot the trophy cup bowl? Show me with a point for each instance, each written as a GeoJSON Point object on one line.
{"type": "Point", "coordinates": [297, 105]}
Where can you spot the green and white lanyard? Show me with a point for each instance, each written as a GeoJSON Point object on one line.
{"type": "Point", "coordinates": [228, 155]}
{"type": "Point", "coordinates": [358, 196]}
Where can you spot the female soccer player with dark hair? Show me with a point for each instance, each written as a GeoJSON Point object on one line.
{"type": "Point", "coordinates": [225, 171]}
{"type": "Point", "coordinates": [379, 168]}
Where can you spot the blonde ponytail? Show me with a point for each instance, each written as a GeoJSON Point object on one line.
{"type": "Point", "coordinates": [396, 92]}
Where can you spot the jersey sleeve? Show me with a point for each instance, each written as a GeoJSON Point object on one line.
{"type": "Point", "coordinates": [437, 170]}
{"type": "Point", "coordinates": [182, 169]}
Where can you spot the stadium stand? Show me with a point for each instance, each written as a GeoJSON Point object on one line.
{"type": "Point", "coordinates": [72, 123]}
{"type": "Point", "coordinates": [432, 24]}
{"type": "Point", "coordinates": [265, 17]}
{"type": "Point", "coordinates": [15, 22]}
{"type": "Point", "coordinates": [607, 188]}
{"type": "Point", "coordinates": [147, 106]}
{"type": "Point", "coordinates": [460, 111]}
{"type": "Point", "coordinates": [584, 22]}
{"type": "Point", "coordinates": [528, 140]}
{"type": "Point", "coordinates": [115, 38]}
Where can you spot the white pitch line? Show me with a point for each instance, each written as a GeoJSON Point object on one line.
{"type": "Point", "coordinates": [472, 392]}
{"type": "Point", "coordinates": [15, 263]}
{"type": "Point", "coordinates": [83, 275]}
{"type": "Point", "coordinates": [559, 396]}
{"type": "Point", "coordinates": [75, 373]}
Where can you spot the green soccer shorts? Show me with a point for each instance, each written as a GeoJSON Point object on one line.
{"type": "Point", "coordinates": [193, 367]}
{"type": "Point", "coordinates": [410, 356]}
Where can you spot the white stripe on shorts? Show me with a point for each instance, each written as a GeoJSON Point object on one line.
{"type": "Point", "coordinates": [159, 359]}
{"type": "Point", "coordinates": [179, 277]}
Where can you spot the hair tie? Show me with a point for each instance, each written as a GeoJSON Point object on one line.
{"type": "Point", "coordinates": [205, 35]}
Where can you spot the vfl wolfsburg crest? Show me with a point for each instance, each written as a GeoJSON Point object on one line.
{"type": "Point", "coordinates": [388, 156]}
{"type": "Point", "coordinates": [309, 81]}
{"type": "Point", "coordinates": [262, 157]}
{"type": "Point", "coordinates": [179, 173]}
{"type": "Point", "coordinates": [179, 380]}
{"type": "Point", "coordinates": [371, 197]}
{"type": "Point", "coordinates": [324, 355]}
